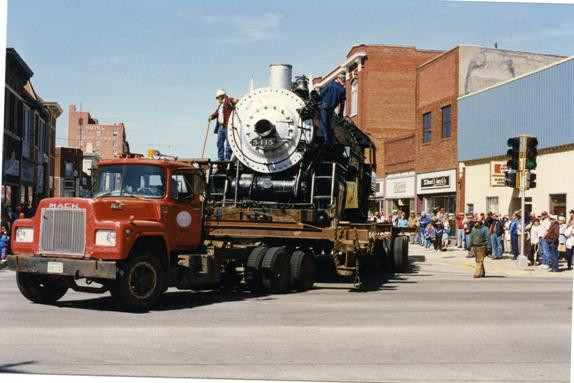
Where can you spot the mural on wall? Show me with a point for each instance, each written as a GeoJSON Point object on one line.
{"type": "Point", "coordinates": [484, 67]}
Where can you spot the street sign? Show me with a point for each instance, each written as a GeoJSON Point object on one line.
{"type": "Point", "coordinates": [497, 176]}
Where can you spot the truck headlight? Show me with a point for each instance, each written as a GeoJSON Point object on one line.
{"type": "Point", "coordinates": [105, 238]}
{"type": "Point", "coordinates": [25, 234]}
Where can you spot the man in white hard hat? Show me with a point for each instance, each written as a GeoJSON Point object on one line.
{"type": "Point", "coordinates": [221, 115]}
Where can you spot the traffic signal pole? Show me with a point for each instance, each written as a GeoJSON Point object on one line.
{"type": "Point", "coordinates": [522, 260]}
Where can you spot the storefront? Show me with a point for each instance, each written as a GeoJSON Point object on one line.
{"type": "Point", "coordinates": [11, 171]}
{"type": "Point", "coordinates": [400, 192]}
{"type": "Point", "coordinates": [437, 190]}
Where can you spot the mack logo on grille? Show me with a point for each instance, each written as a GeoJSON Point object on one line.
{"type": "Point", "coordinates": [67, 205]}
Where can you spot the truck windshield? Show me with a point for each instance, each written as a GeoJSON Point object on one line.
{"type": "Point", "coordinates": [130, 180]}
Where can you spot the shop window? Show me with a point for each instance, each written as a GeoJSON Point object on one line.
{"type": "Point", "coordinates": [427, 127]}
{"type": "Point", "coordinates": [558, 204]}
{"type": "Point", "coordinates": [354, 97]}
{"type": "Point", "coordinates": [492, 204]}
{"type": "Point", "coordinates": [446, 122]}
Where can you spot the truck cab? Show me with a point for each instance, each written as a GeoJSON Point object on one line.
{"type": "Point", "coordinates": [127, 238]}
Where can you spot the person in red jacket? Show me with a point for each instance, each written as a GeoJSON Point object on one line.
{"type": "Point", "coordinates": [221, 115]}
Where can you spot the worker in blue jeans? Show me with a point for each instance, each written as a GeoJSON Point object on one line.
{"type": "Point", "coordinates": [221, 115]}
{"type": "Point", "coordinates": [332, 95]}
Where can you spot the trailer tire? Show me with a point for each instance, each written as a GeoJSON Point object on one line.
{"type": "Point", "coordinates": [387, 264]}
{"type": "Point", "coordinates": [252, 273]}
{"type": "Point", "coordinates": [40, 288]}
{"type": "Point", "coordinates": [400, 249]}
{"type": "Point", "coordinates": [140, 283]}
{"type": "Point", "coordinates": [276, 269]}
{"type": "Point", "coordinates": [302, 270]}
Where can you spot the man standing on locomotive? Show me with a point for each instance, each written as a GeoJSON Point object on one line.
{"type": "Point", "coordinates": [332, 95]}
{"type": "Point", "coordinates": [222, 114]}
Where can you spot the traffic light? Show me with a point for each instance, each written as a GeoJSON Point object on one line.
{"type": "Point", "coordinates": [531, 180]}
{"type": "Point", "coordinates": [513, 153]}
{"type": "Point", "coordinates": [531, 153]}
{"type": "Point", "coordinates": [510, 178]}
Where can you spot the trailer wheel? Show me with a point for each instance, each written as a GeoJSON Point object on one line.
{"type": "Point", "coordinates": [302, 270]}
{"type": "Point", "coordinates": [401, 248]}
{"type": "Point", "coordinates": [252, 271]}
{"type": "Point", "coordinates": [276, 270]}
{"type": "Point", "coordinates": [140, 283]}
{"type": "Point", "coordinates": [41, 288]}
{"type": "Point", "coordinates": [387, 264]}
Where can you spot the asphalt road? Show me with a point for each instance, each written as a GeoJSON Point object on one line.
{"type": "Point", "coordinates": [435, 324]}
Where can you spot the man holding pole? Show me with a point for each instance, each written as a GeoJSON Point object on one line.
{"type": "Point", "coordinates": [221, 115]}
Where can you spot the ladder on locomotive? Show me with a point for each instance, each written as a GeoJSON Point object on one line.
{"type": "Point", "coordinates": [323, 183]}
{"type": "Point", "coordinates": [216, 177]}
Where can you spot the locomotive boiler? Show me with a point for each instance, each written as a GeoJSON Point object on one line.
{"type": "Point", "coordinates": [281, 162]}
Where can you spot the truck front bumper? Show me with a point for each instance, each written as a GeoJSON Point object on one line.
{"type": "Point", "coordinates": [77, 268]}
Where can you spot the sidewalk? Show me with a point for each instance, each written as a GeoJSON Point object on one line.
{"type": "Point", "coordinates": [456, 258]}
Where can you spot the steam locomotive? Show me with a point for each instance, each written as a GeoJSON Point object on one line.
{"type": "Point", "coordinates": [280, 161]}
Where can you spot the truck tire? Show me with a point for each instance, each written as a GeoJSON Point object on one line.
{"type": "Point", "coordinates": [40, 288]}
{"type": "Point", "coordinates": [276, 271]}
{"type": "Point", "coordinates": [139, 283]}
{"type": "Point", "coordinates": [388, 264]}
{"type": "Point", "coordinates": [401, 248]}
{"type": "Point", "coordinates": [252, 271]}
{"type": "Point", "coordinates": [302, 270]}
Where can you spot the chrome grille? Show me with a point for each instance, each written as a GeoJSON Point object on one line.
{"type": "Point", "coordinates": [63, 231]}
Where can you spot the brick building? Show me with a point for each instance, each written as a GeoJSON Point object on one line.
{"type": "Point", "coordinates": [399, 174]}
{"type": "Point", "coordinates": [84, 132]}
{"type": "Point", "coordinates": [439, 83]}
{"type": "Point", "coordinates": [29, 137]}
{"type": "Point", "coordinates": [381, 83]}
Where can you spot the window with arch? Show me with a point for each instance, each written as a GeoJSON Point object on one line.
{"type": "Point", "coordinates": [354, 97]}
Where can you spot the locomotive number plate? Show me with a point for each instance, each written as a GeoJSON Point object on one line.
{"type": "Point", "coordinates": [263, 142]}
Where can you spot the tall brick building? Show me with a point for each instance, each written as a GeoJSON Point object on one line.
{"type": "Point", "coordinates": [381, 83]}
{"type": "Point", "coordinates": [87, 134]}
{"type": "Point", "coordinates": [440, 82]}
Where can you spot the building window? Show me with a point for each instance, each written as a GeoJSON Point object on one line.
{"type": "Point", "coordinates": [115, 133]}
{"type": "Point", "coordinates": [469, 208]}
{"type": "Point", "coordinates": [427, 127]}
{"type": "Point", "coordinates": [114, 144]}
{"type": "Point", "coordinates": [492, 204]}
{"type": "Point", "coordinates": [42, 137]}
{"type": "Point", "coordinates": [354, 97]}
{"type": "Point", "coordinates": [446, 121]}
{"type": "Point", "coordinates": [27, 131]}
{"type": "Point", "coordinates": [558, 204]}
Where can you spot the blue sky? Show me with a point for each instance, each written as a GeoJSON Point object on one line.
{"type": "Point", "coordinates": [156, 64]}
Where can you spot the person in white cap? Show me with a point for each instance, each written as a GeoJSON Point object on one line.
{"type": "Point", "coordinates": [222, 114]}
{"type": "Point", "coordinates": [332, 95]}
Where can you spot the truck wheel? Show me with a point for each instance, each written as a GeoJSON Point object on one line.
{"type": "Point", "coordinates": [40, 288]}
{"type": "Point", "coordinates": [252, 271]}
{"type": "Point", "coordinates": [387, 264]}
{"type": "Point", "coordinates": [140, 283]}
{"type": "Point", "coordinates": [276, 270]}
{"type": "Point", "coordinates": [399, 252]}
{"type": "Point", "coordinates": [302, 270]}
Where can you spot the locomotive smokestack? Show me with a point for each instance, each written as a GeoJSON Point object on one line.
{"type": "Point", "coordinates": [280, 76]}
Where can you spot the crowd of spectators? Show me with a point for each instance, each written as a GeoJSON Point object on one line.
{"type": "Point", "coordinates": [547, 237]}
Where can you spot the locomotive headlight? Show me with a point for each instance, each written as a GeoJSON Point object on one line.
{"type": "Point", "coordinates": [25, 234]}
{"type": "Point", "coordinates": [105, 238]}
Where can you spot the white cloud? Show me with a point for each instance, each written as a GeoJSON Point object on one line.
{"type": "Point", "coordinates": [245, 28]}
